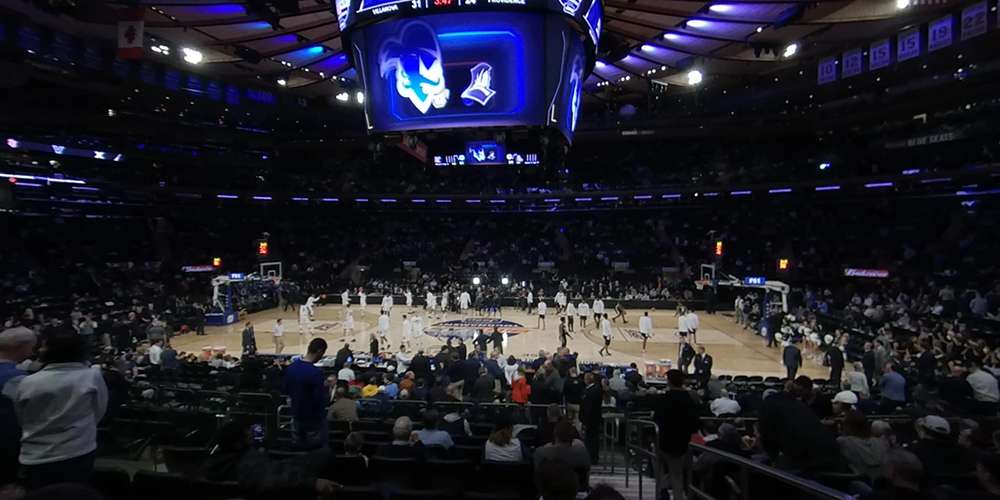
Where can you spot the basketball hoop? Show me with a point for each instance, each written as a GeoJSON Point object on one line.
{"type": "Point", "coordinates": [700, 284]}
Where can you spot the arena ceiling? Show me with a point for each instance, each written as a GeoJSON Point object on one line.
{"type": "Point", "coordinates": [646, 44]}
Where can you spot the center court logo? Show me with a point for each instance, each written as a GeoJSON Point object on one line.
{"type": "Point", "coordinates": [468, 328]}
{"type": "Point", "coordinates": [327, 327]}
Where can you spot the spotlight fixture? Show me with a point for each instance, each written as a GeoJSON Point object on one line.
{"type": "Point", "coordinates": [720, 8]}
{"type": "Point", "coordinates": [282, 82]}
{"type": "Point", "coordinates": [343, 97]}
{"type": "Point", "coordinates": [902, 4]}
{"type": "Point", "coordinates": [192, 56]}
{"type": "Point", "coordinates": [790, 50]}
{"type": "Point", "coordinates": [505, 281]}
{"type": "Point", "coordinates": [694, 77]}
{"type": "Point", "coordinates": [360, 97]}
{"type": "Point", "coordinates": [476, 280]}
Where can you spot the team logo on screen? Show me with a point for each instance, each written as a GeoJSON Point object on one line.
{"type": "Point", "coordinates": [570, 6]}
{"type": "Point", "coordinates": [479, 90]}
{"type": "Point", "coordinates": [415, 59]}
{"type": "Point", "coordinates": [343, 9]}
{"type": "Point", "coordinates": [469, 328]}
{"type": "Point", "coordinates": [576, 90]}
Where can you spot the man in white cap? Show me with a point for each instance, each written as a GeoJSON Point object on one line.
{"type": "Point", "coordinates": [843, 402]}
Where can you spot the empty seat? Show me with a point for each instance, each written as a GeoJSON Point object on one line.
{"type": "Point", "coordinates": [112, 482]}
{"type": "Point", "coordinates": [184, 460]}
{"type": "Point", "coordinates": [148, 485]}
{"type": "Point", "coordinates": [350, 471]}
{"type": "Point", "coordinates": [398, 472]}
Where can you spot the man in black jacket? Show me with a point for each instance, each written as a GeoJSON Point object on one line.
{"type": "Point", "coordinates": [342, 355]}
{"type": "Point", "coordinates": [868, 362]}
{"type": "Point", "coordinates": [835, 358]}
{"type": "Point", "coordinates": [702, 366]}
{"type": "Point", "coordinates": [676, 415]}
{"type": "Point", "coordinates": [590, 415]}
{"type": "Point", "coordinates": [793, 436]}
{"type": "Point", "coordinates": [497, 338]}
{"type": "Point", "coordinates": [421, 366]}
{"type": "Point", "coordinates": [791, 357]}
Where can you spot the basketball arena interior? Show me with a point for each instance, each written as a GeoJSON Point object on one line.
{"type": "Point", "coordinates": [499, 249]}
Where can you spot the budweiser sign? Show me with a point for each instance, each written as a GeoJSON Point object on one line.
{"type": "Point", "coordinates": [866, 273]}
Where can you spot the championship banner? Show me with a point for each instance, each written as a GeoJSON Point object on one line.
{"type": "Point", "coordinates": [130, 33]}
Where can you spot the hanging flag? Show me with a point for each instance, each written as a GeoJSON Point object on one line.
{"type": "Point", "coordinates": [130, 28]}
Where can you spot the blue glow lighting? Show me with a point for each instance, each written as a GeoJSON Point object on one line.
{"type": "Point", "coordinates": [262, 198]}
{"type": "Point", "coordinates": [824, 166]}
{"type": "Point", "coordinates": [442, 201]}
{"type": "Point", "coordinates": [912, 171]}
{"type": "Point", "coordinates": [226, 196]}
{"type": "Point", "coordinates": [670, 196]}
{"type": "Point", "coordinates": [226, 9]}
{"type": "Point", "coordinates": [361, 200]}
{"type": "Point", "coordinates": [739, 193]}
{"type": "Point", "coordinates": [710, 194]}
{"type": "Point", "coordinates": [418, 200]}
{"type": "Point", "coordinates": [935, 180]}
{"type": "Point", "coordinates": [642, 197]}
{"type": "Point", "coordinates": [84, 188]}
{"type": "Point", "coordinates": [387, 200]}
{"type": "Point", "coordinates": [498, 202]}
{"type": "Point", "coordinates": [609, 198]}
{"type": "Point", "coordinates": [329, 200]}
{"type": "Point", "coordinates": [299, 198]}
{"type": "Point", "coordinates": [583, 199]}
{"type": "Point", "coordinates": [28, 184]}
{"type": "Point", "coordinates": [779, 190]}
{"type": "Point", "coordinates": [827, 188]}
{"type": "Point", "coordinates": [552, 200]}
{"type": "Point", "coordinates": [473, 201]}
{"type": "Point", "coordinates": [315, 50]}
{"type": "Point", "coordinates": [872, 185]}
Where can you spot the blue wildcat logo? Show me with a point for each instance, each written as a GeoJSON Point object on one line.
{"type": "Point", "coordinates": [576, 90]}
{"type": "Point", "coordinates": [414, 58]}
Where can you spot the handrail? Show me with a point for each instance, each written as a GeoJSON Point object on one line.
{"type": "Point", "coordinates": [747, 465]}
{"type": "Point", "coordinates": [641, 450]}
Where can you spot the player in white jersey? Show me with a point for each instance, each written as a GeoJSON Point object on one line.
{"type": "Point", "coordinates": [311, 305]}
{"type": "Point", "coordinates": [279, 336]}
{"type": "Point", "coordinates": [542, 308]}
{"type": "Point", "coordinates": [583, 309]}
{"type": "Point", "coordinates": [645, 328]}
{"type": "Point", "coordinates": [363, 298]}
{"type": "Point", "coordinates": [345, 298]}
{"type": "Point", "coordinates": [598, 310]}
{"type": "Point", "coordinates": [407, 333]}
{"type": "Point", "coordinates": [305, 325]}
{"type": "Point", "coordinates": [418, 330]}
{"type": "Point", "coordinates": [529, 300]}
{"type": "Point", "coordinates": [409, 299]}
{"type": "Point", "coordinates": [387, 303]}
{"type": "Point", "coordinates": [444, 302]}
{"type": "Point", "coordinates": [570, 315]}
{"type": "Point", "coordinates": [464, 300]}
{"type": "Point", "coordinates": [383, 327]}
{"type": "Point", "coordinates": [348, 320]}
{"type": "Point", "coordinates": [430, 301]}
{"type": "Point", "coordinates": [606, 333]}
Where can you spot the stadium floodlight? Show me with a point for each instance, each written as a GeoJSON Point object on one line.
{"type": "Point", "coordinates": [902, 4]}
{"type": "Point", "coordinates": [360, 97]}
{"type": "Point", "coordinates": [824, 166]}
{"type": "Point", "coordinates": [505, 281]}
{"type": "Point", "coordinates": [282, 82]}
{"type": "Point", "coordinates": [694, 77]}
{"type": "Point", "coordinates": [721, 8]}
{"type": "Point", "coordinates": [791, 49]}
{"type": "Point", "coordinates": [476, 280]}
{"type": "Point", "coordinates": [697, 23]}
{"type": "Point", "coordinates": [343, 97]}
{"type": "Point", "coordinates": [192, 56]}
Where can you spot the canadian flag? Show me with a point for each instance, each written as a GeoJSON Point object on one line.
{"type": "Point", "coordinates": [130, 27]}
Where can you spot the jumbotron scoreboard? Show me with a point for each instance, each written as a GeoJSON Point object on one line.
{"type": "Point", "coordinates": [471, 64]}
